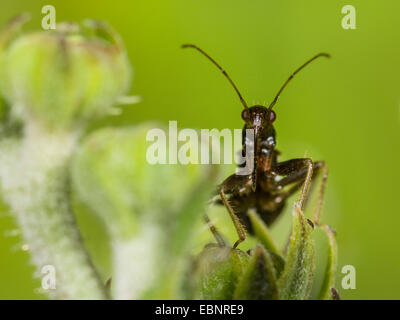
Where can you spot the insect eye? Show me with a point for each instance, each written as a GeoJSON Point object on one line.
{"type": "Point", "coordinates": [245, 115]}
{"type": "Point", "coordinates": [272, 116]}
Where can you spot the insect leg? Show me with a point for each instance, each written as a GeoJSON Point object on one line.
{"type": "Point", "coordinates": [286, 194]}
{"type": "Point", "coordinates": [239, 227]}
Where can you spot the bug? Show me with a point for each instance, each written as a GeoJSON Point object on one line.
{"type": "Point", "coordinates": [270, 182]}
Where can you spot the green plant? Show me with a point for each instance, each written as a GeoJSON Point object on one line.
{"type": "Point", "coordinates": [70, 77]}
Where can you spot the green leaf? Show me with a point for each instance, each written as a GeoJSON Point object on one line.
{"type": "Point", "coordinates": [259, 279]}
{"type": "Point", "coordinates": [330, 270]}
{"type": "Point", "coordinates": [262, 233]}
{"type": "Point", "coordinates": [297, 276]}
{"type": "Point", "coordinates": [195, 203]}
{"type": "Point", "coordinates": [278, 263]}
{"type": "Point", "coordinates": [169, 285]}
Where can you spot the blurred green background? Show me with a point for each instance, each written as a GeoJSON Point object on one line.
{"type": "Point", "coordinates": [345, 110]}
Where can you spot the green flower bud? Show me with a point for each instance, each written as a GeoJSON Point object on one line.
{"type": "Point", "coordinates": [226, 273]}
{"type": "Point", "coordinates": [216, 273]}
{"type": "Point", "coordinates": [65, 77]}
{"type": "Point", "coordinates": [150, 210]}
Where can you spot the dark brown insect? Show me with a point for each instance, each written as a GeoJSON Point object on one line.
{"type": "Point", "coordinates": [270, 182]}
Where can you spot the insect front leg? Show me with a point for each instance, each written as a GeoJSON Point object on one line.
{"type": "Point", "coordinates": [238, 184]}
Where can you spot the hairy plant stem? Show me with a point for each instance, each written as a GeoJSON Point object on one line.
{"type": "Point", "coordinates": [135, 264]}
{"type": "Point", "coordinates": [35, 182]}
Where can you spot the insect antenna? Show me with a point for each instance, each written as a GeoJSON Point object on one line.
{"type": "Point", "coordinates": [326, 55]}
{"type": "Point", "coordinates": [220, 68]}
